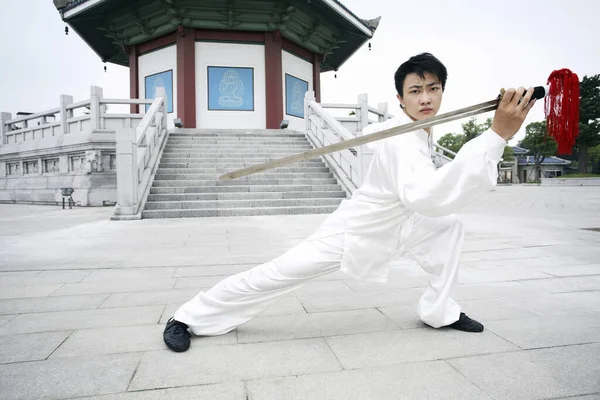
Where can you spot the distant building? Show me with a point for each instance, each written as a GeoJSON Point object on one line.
{"type": "Point", "coordinates": [552, 167]}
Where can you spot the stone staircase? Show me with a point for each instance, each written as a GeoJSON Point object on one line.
{"type": "Point", "coordinates": [186, 183]}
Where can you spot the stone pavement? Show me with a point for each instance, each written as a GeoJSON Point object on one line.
{"type": "Point", "coordinates": [83, 302]}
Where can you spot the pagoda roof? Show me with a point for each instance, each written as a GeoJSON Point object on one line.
{"type": "Point", "coordinates": [325, 27]}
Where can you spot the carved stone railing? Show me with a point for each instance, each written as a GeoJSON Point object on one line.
{"type": "Point", "coordinates": [358, 116]}
{"type": "Point", "coordinates": [63, 119]}
{"type": "Point", "coordinates": [442, 155]}
{"type": "Point", "coordinates": [138, 152]}
{"type": "Point", "coordinates": [71, 146]}
{"type": "Point", "coordinates": [323, 129]}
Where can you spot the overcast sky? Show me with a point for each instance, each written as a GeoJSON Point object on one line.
{"type": "Point", "coordinates": [486, 45]}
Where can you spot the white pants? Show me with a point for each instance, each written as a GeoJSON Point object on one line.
{"type": "Point", "coordinates": [435, 243]}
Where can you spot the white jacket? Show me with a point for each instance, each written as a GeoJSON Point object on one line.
{"type": "Point", "coordinates": [401, 181]}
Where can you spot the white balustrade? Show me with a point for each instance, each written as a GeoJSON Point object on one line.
{"type": "Point", "coordinates": [323, 129]}
{"type": "Point", "coordinates": [138, 151]}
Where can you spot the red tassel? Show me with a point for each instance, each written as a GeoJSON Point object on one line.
{"type": "Point", "coordinates": [562, 109]}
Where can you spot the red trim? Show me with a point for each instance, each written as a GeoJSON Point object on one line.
{"type": "Point", "coordinates": [239, 36]}
{"type": "Point", "coordinates": [134, 81]}
{"type": "Point", "coordinates": [186, 77]}
{"type": "Point", "coordinates": [298, 50]}
{"type": "Point", "coordinates": [273, 79]}
{"type": "Point", "coordinates": [158, 43]}
{"type": "Point", "coordinates": [317, 58]}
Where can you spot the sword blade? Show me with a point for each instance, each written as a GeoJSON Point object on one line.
{"type": "Point", "coordinates": [373, 137]}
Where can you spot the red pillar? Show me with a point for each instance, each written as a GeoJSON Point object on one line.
{"type": "Point", "coordinates": [186, 77]}
{"type": "Point", "coordinates": [134, 80]}
{"type": "Point", "coordinates": [317, 58]}
{"type": "Point", "coordinates": [274, 79]}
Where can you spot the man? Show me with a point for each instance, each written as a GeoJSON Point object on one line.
{"type": "Point", "coordinates": [404, 207]}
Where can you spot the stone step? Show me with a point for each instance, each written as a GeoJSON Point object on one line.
{"type": "Point", "coordinates": [211, 158]}
{"type": "Point", "coordinates": [210, 166]}
{"type": "Point", "coordinates": [246, 196]}
{"type": "Point", "coordinates": [244, 189]}
{"type": "Point", "coordinates": [220, 170]}
{"type": "Point", "coordinates": [186, 183]}
{"type": "Point", "coordinates": [234, 212]}
{"type": "Point", "coordinates": [245, 182]}
{"type": "Point", "coordinates": [230, 135]}
{"type": "Point", "coordinates": [225, 204]}
{"type": "Point", "coordinates": [257, 176]}
{"type": "Point", "coordinates": [233, 141]}
{"type": "Point", "coordinates": [232, 154]}
{"type": "Point", "coordinates": [239, 148]}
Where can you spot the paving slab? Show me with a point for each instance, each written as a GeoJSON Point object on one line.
{"type": "Point", "coordinates": [559, 303]}
{"type": "Point", "coordinates": [5, 319]}
{"type": "Point", "coordinates": [129, 274]}
{"type": "Point", "coordinates": [413, 345]}
{"type": "Point", "coordinates": [133, 285]}
{"type": "Point", "coordinates": [572, 270]}
{"type": "Point", "coordinates": [264, 329]}
{"type": "Point", "coordinates": [47, 304]}
{"type": "Point", "coordinates": [21, 292]}
{"type": "Point", "coordinates": [227, 391]}
{"type": "Point", "coordinates": [406, 317]}
{"type": "Point", "coordinates": [148, 298]}
{"type": "Point", "coordinates": [41, 278]}
{"type": "Point", "coordinates": [84, 309]}
{"type": "Point", "coordinates": [30, 347]}
{"type": "Point", "coordinates": [424, 381]}
{"type": "Point", "coordinates": [202, 365]}
{"type": "Point", "coordinates": [68, 378]}
{"type": "Point", "coordinates": [125, 339]}
{"type": "Point", "coordinates": [549, 331]}
{"type": "Point", "coordinates": [70, 320]}
{"type": "Point", "coordinates": [551, 373]}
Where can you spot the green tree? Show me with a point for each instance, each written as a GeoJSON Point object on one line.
{"type": "Point", "coordinates": [589, 119]}
{"type": "Point", "coordinates": [508, 154]}
{"type": "Point", "coordinates": [538, 143]}
{"type": "Point", "coordinates": [594, 159]}
{"type": "Point", "coordinates": [472, 129]}
{"type": "Point", "coordinates": [452, 142]}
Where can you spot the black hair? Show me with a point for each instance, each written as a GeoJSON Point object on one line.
{"type": "Point", "coordinates": [420, 64]}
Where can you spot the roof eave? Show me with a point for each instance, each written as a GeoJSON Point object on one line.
{"type": "Point", "coordinates": [71, 12]}
{"type": "Point", "coordinates": [358, 23]}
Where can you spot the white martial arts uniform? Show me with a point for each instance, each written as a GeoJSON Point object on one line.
{"type": "Point", "coordinates": [403, 208]}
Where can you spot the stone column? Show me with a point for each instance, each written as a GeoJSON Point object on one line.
{"type": "Point", "coordinates": [186, 77]}
{"type": "Point", "coordinates": [4, 117]}
{"type": "Point", "coordinates": [274, 79]}
{"type": "Point", "coordinates": [308, 97]}
{"type": "Point", "coordinates": [317, 58]}
{"type": "Point", "coordinates": [95, 108]}
{"type": "Point", "coordinates": [127, 180]}
{"type": "Point", "coordinates": [383, 107]}
{"type": "Point", "coordinates": [363, 114]}
{"type": "Point", "coordinates": [515, 170]}
{"type": "Point", "coordinates": [65, 114]}
{"type": "Point", "coordinates": [134, 89]}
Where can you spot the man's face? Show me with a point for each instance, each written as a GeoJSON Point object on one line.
{"type": "Point", "coordinates": [422, 97]}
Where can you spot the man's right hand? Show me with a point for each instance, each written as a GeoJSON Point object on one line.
{"type": "Point", "coordinates": [511, 112]}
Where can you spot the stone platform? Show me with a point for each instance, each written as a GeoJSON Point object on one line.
{"type": "Point", "coordinates": [83, 301]}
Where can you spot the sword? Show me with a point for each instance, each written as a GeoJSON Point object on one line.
{"type": "Point", "coordinates": [539, 93]}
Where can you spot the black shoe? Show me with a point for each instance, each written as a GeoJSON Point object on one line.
{"type": "Point", "coordinates": [176, 336]}
{"type": "Point", "coordinates": [467, 324]}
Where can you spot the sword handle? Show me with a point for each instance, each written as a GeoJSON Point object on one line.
{"type": "Point", "coordinates": [539, 92]}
